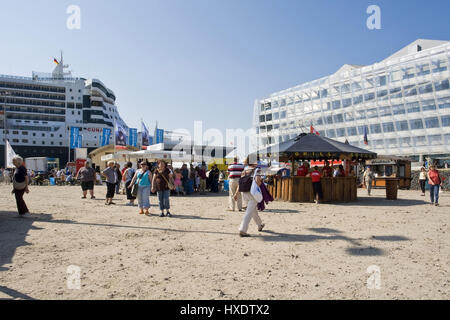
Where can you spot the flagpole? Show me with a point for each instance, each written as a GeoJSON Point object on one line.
{"type": "Point", "coordinates": [68, 144]}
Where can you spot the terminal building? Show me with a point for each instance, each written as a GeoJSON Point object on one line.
{"type": "Point", "coordinates": [402, 102]}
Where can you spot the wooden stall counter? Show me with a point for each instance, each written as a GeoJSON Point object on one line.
{"type": "Point", "coordinates": [299, 189]}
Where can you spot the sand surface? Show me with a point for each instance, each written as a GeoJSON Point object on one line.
{"type": "Point", "coordinates": [307, 251]}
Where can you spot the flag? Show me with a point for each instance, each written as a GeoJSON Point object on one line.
{"type": "Point", "coordinates": [366, 141]}
{"type": "Point", "coordinates": [314, 131]}
{"type": "Point", "coordinates": [159, 136]}
{"type": "Point", "coordinates": [55, 61]}
{"type": "Point", "coordinates": [74, 137]}
{"type": "Point", "coordinates": [10, 154]}
{"type": "Point", "coordinates": [132, 137]}
{"type": "Point", "coordinates": [105, 136]}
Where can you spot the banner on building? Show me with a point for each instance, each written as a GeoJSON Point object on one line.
{"type": "Point", "coordinates": [121, 135]}
{"type": "Point", "coordinates": [105, 136]}
{"type": "Point", "coordinates": [74, 137]}
{"type": "Point", "coordinates": [133, 133]}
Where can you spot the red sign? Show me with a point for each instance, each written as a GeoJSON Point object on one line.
{"type": "Point", "coordinates": [80, 163]}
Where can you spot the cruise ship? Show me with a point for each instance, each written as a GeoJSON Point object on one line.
{"type": "Point", "coordinates": [36, 113]}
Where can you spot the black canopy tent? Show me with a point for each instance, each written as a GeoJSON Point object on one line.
{"type": "Point", "coordinates": [314, 147]}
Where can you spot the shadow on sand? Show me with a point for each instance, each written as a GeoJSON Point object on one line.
{"type": "Point", "coordinates": [13, 231]}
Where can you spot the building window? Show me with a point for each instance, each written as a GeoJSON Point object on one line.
{"type": "Point", "coordinates": [435, 140]}
{"type": "Point", "coordinates": [398, 109]}
{"type": "Point", "coordinates": [351, 131]}
{"type": "Point", "coordinates": [340, 132]}
{"type": "Point", "coordinates": [388, 127]}
{"type": "Point", "coordinates": [432, 123]}
{"type": "Point", "coordinates": [445, 121]}
{"type": "Point", "coordinates": [402, 125]}
{"type": "Point", "coordinates": [416, 124]}
{"type": "Point", "coordinates": [375, 128]}
{"type": "Point", "coordinates": [331, 133]}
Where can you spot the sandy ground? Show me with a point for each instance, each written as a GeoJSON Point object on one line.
{"type": "Point", "coordinates": [306, 252]}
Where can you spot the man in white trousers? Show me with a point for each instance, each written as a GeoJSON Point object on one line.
{"type": "Point", "coordinates": [252, 211]}
{"type": "Point", "coordinates": [234, 174]}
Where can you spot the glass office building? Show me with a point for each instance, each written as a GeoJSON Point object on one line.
{"type": "Point", "coordinates": [403, 102]}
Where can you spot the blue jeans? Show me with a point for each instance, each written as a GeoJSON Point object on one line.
{"type": "Point", "coordinates": [163, 197]}
{"type": "Point", "coordinates": [434, 193]}
{"type": "Point", "coordinates": [143, 197]}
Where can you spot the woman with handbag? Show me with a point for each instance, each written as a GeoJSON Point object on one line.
{"type": "Point", "coordinates": [20, 185]}
{"type": "Point", "coordinates": [250, 180]}
{"type": "Point", "coordinates": [141, 184]}
{"type": "Point", "coordinates": [162, 184]}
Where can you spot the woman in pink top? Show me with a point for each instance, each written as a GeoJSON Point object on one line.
{"type": "Point", "coordinates": [177, 181]}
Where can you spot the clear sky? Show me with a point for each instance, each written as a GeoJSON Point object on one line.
{"type": "Point", "coordinates": [177, 61]}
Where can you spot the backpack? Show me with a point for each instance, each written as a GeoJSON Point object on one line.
{"type": "Point", "coordinates": [245, 183]}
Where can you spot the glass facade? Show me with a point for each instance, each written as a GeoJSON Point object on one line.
{"type": "Point", "coordinates": [403, 101]}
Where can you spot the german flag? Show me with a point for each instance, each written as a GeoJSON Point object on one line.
{"type": "Point", "coordinates": [55, 61]}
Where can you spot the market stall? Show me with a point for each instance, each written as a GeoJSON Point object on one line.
{"type": "Point", "coordinates": [312, 147]}
{"type": "Point", "coordinates": [389, 167]}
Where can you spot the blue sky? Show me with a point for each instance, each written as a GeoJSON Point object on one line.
{"type": "Point", "coordinates": [177, 61]}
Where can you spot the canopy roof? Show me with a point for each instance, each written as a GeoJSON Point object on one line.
{"type": "Point", "coordinates": [314, 147]}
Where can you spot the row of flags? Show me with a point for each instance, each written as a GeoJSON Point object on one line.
{"type": "Point", "coordinates": [366, 140]}
{"type": "Point", "coordinates": [122, 136]}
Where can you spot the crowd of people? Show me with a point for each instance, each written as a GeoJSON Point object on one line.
{"type": "Point", "coordinates": [162, 179]}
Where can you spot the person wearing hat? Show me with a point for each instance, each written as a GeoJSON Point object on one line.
{"type": "Point", "coordinates": [368, 179]}
{"type": "Point", "coordinates": [143, 179]}
{"type": "Point", "coordinates": [252, 210]}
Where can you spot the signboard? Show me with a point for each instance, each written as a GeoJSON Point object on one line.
{"type": "Point", "coordinates": [376, 162]}
{"type": "Point", "coordinates": [105, 137]}
{"type": "Point", "coordinates": [74, 134]}
{"type": "Point", "coordinates": [133, 133]}
{"type": "Point", "coordinates": [121, 135]}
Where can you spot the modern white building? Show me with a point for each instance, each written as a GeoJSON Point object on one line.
{"type": "Point", "coordinates": [402, 101]}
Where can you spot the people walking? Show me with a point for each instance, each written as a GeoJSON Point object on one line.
{"type": "Point", "coordinates": [317, 185]}
{"type": "Point", "coordinates": [87, 177]}
{"type": "Point", "coordinates": [435, 181]}
{"type": "Point", "coordinates": [178, 183]}
{"type": "Point", "coordinates": [160, 184]}
{"type": "Point", "coordinates": [128, 176]}
{"type": "Point", "coordinates": [422, 179]}
{"type": "Point", "coordinates": [251, 212]}
{"type": "Point", "coordinates": [20, 186]}
{"type": "Point", "coordinates": [111, 180]}
{"type": "Point", "coordinates": [368, 179]}
{"type": "Point", "coordinates": [234, 174]}
{"type": "Point", "coordinates": [119, 178]}
{"type": "Point", "coordinates": [143, 180]}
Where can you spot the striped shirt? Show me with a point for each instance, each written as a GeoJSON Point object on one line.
{"type": "Point", "coordinates": [235, 170]}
